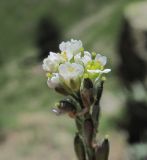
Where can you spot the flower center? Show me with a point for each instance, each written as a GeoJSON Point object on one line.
{"type": "Point", "coordinates": [93, 65]}
{"type": "Point", "coordinates": [49, 75]}
{"type": "Point", "coordinates": [71, 69]}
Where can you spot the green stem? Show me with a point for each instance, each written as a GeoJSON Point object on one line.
{"type": "Point", "coordinates": [89, 150]}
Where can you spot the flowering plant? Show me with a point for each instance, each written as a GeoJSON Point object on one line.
{"type": "Point", "coordinates": [77, 74]}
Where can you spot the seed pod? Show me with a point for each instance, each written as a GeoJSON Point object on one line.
{"type": "Point", "coordinates": [96, 106]}
{"type": "Point", "coordinates": [79, 148]}
{"type": "Point", "coordinates": [88, 131]}
{"type": "Point", "coordinates": [102, 151]}
{"type": "Point", "coordinates": [95, 116]}
{"type": "Point", "coordinates": [99, 91]}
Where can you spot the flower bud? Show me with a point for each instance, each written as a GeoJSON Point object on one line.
{"type": "Point", "coordinates": [79, 148]}
{"type": "Point", "coordinates": [87, 83]}
{"type": "Point", "coordinates": [65, 106]}
{"type": "Point", "coordinates": [88, 131]}
{"type": "Point", "coordinates": [62, 90]}
{"type": "Point", "coordinates": [87, 93]}
{"type": "Point", "coordinates": [102, 151]}
{"type": "Point", "coordinates": [95, 115]}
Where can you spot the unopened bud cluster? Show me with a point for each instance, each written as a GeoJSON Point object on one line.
{"type": "Point", "coordinates": [79, 75]}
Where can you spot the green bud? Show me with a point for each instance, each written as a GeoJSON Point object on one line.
{"type": "Point", "coordinates": [102, 151]}
{"type": "Point", "coordinates": [79, 148]}
{"type": "Point", "coordinates": [88, 131]}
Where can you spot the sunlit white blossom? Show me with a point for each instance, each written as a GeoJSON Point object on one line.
{"type": "Point", "coordinates": [71, 73]}
{"type": "Point", "coordinates": [95, 66]}
{"type": "Point", "coordinates": [51, 63]}
{"type": "Point", "coordinates": [101, 59]}
{"type": "Point", "coordinates": [71, 47]}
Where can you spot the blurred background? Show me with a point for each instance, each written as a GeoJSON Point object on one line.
{"type": "Point", "coordinates": [29, 29]}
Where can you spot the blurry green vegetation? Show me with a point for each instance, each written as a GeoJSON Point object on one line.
{"type": "Point", "coordinates": [23, 86]}
{"type": "Point", "coordinates": [19, 20]}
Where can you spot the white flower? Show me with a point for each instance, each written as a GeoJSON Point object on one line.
{"type": "Point", "coordinates": [52, 62]}
{"type": "Point", "coordinates": [53, 81]}
{"type": "Point", "coordinates": [70, 70]}
{"type": "Point", "coordinates": [71, 47]}
{"type": "Point", "coordinates": [71, 74]}
{"type": "Point", "coordinates": [96, 65]}
{"type": "Point", "coordinates": [85, 58]}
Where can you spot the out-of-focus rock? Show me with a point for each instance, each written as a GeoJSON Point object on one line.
{"type": "Point", "coordinates": [132, 47]}
{"type": "Point", "coordinates": [132, 50]}
{"type": "Point", "coordinates": [48, 37]}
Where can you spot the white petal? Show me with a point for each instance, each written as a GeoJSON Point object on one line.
{"type": "Point", "coordinates": [71, 47]}
{"type": "Point", "coordinates": [63, 46]}
{"type": "Point", "coordinates": [46, 64]}
{"type": "Point", "coordinates": [79, 58]}
{"type": "Point", "coordinates": [53, 81]}
{"type": "Point", "coordinates": [99, 71]}
{"type": "Point", "coordinates": [52, 62]}
{"type": "Point", "coordinates": [78, 68]}
{"type": "Point", "coordinates": [101, 59]}
{"type": "Point", "coordinates": [69, 55]}
{"type": "Point", "coordinates": [55, 57]}
{"type": "Point", "coordinates": [106, 71]}
{"type": "Point", "coordinates": [86, 53]}
{"type": "Point", "coordinates": [94, 71]}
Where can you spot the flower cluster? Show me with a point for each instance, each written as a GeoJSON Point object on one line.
{"type": "Point", "coordinates": [66, 69]}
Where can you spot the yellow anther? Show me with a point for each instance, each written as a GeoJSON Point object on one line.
{"type": "Point", "coordinates": [49, 75]}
